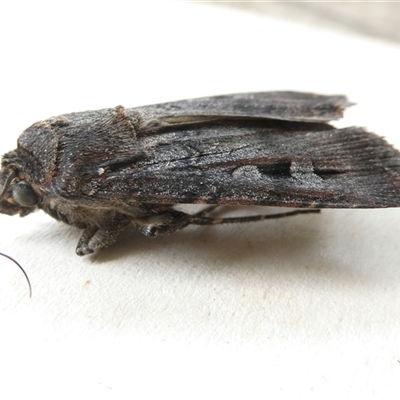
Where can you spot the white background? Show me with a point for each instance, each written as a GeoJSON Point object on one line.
{"type": "Point", "coordinates": [306, 307]}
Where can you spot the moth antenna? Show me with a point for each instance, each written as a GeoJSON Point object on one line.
{"type": "Point", "coordinates": [7, 183]}
{"type": "Point", "coordinates": [23, 271]}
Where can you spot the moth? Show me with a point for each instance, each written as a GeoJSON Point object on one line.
{"type": "Point", "coordinates": [103, 170]}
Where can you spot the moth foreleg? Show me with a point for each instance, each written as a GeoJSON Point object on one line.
{"type": "Point", "coordinates": [200, 219]}
{"type": "Point", "coordinates": [94, 238]}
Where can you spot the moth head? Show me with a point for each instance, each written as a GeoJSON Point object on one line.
{"type": "Point", "coordinates": [16, 195]}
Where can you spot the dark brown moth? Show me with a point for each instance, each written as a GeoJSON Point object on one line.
{"type": "Point", "coordinates": [103, 170]}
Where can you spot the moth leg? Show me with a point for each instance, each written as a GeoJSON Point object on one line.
{"type": "Point", "coordinates": [201, 220]}
{"type": "Point", "coordinates": [83, 244]}
{"type": "Point", "coordinates": [207, 210]}
{"type": "Point", "coordinates": [94, 238]}
{"type": "Point", "coordinates": [171, 221]}
{"type": "Point", "coordinates": [163, 223]}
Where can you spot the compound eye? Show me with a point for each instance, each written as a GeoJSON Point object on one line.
{"type": "Point", "coordinates": [24, 195]}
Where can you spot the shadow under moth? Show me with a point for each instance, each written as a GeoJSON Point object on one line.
{"type": "Point", "coordinates": [103, 170]}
